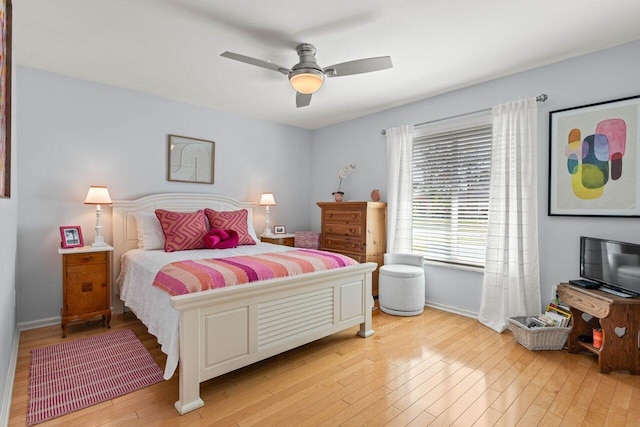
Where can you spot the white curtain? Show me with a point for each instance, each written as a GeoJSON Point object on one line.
{"type": "Point", "coordinates": [511, 285]}
{"type": "Point", "coordinates": [399, 189]}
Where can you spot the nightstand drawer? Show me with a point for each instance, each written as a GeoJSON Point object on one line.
{"type": "Point", "coordinates": [343, 217]}
{"type": "Point", "coordinates": [343, 229]}
{"type": "Point", "coordinates": [86, 290]}
{"type": "Point", "coordinates": [86, 258]}
{"type": "Point", "coordinates": [283, 240]}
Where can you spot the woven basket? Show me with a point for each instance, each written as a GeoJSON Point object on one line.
{"type": "Point", "coordinates": [307, 240]}
{"type": "Point", "coordinates": [550, 338]}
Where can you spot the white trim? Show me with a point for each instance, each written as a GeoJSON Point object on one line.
{"type": "Point", "coordinates": [11, 375]}
{"type": "Point", "coordinates": [50, 321]}
{"type": "Point", "coordinates": [452, 309]}
{"type": "Point", "coordinates": [39, 323]}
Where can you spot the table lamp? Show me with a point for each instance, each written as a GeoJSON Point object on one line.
{"type": "Point", "coordinates": [98, 195]}
{"type": "Point", "coordinates": [267, 200]}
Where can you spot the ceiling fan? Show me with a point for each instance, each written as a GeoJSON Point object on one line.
{"type": "Point", "coordinates": [307, 76]}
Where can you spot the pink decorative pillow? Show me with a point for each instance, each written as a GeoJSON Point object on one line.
{"type": "Point", "coordinates": [231, 220]}
{"type": "Point", "coordinates": [182, 230]}
{"type": "Point", "coordinates": [217, 238]}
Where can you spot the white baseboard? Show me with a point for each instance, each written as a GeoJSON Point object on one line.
{"type": "Point", "coordinates": [452, 309]}
{"type": "Point", "coordinates": [50, 321]}
{"type": "Point", "coordinates": [8, 387]}
{"type": "Point", "coordinates": [40, 323]}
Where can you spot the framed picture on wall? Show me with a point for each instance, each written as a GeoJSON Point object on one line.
{"type": "Point", "coordinates": [594, 161]}
{"type": "Point", "coordinates": [191, 159]}
{"type": "Point", "coordinates": [71, 236]}
{"type": "Point", "coordinates": [5, 98]}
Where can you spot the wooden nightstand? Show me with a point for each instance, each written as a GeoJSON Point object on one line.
{"type": "Point", "coordinates": [86, 285]}
{"type": "Point", "coordinates": [279, 239]}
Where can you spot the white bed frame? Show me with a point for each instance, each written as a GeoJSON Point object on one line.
{"type": "Point", "coordinates": [226, 329]}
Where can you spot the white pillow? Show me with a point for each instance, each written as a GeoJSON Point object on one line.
{"type": "Point", "coordinates": [150, 235]}
{"type": "Point", "coordinates": [251, 231]}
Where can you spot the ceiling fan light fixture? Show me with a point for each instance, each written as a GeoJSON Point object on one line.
{"type": "Point", "coordinates": [306, 81]}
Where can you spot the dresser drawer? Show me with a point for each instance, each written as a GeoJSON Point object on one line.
{"type": "Point", "coordinates": [86, 258]}
{"type": "Point", "coordinates": [342, 217]}
{"type": "Point", "coordinates": [339, 244]}
{"type": "Point", "coordinates": [352, 230]}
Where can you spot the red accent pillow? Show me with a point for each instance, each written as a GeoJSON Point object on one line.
{"type": "Point", "coordinates": [217, 238]}
{"type": "Point", "coordinates": [231, 220]}
{"type": "Point", "coordinates": [182, 230]}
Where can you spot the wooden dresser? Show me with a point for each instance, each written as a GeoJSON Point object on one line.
{"type": "Point", "coordinates": [357, 230]}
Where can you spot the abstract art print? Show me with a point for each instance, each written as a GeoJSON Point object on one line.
{"type": "Point", "coordinates": [191, 159]}
{"type": "Point", "coordinates": [5, 98]}
{"type": "Point", "coordinates": [594, 166]}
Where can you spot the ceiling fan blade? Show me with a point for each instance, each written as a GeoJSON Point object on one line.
{"type": "Point", "coordinates": [303, 99]}
{"type": "Point", "coordinates": [359, 66]}
{"type": "Point", "coordinates": [257, 62]}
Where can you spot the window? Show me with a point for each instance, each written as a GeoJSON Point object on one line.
{"type": "Point", "coordinates": [451, 179]}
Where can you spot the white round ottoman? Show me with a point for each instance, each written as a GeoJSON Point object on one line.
{"type": "Point", "coordinates": [401, 289]}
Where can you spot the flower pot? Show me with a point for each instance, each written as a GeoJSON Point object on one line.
{"type": "Point", "coordinates": [338, 195]}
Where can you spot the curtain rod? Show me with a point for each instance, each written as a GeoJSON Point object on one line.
{"type": "Point", "coordinates": [539, 98]}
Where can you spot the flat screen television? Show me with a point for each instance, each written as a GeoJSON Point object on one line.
{"type": "Point", "coordinates": [614, 265]}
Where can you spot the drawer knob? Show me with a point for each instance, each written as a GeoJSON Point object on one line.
{"type": "Point", "coordinates": [87, 286]}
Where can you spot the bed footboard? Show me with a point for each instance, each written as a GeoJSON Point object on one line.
{"type": "Point", "coordinates": [226, 329]}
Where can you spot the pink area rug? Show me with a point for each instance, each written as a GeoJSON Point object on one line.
{"type": "Point", "coordinates": [70, 376]}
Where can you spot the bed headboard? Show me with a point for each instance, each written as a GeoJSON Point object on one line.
{"type": "Point", "coordinates": [125, 231]}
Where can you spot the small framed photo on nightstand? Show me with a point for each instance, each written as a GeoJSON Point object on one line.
{"type": "Point", "coordinates": [71, 236]}
{"type": "Point", "coordinates": [279, 229]}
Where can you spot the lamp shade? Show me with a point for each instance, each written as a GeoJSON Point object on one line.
{"type": "Point", "coordinates": [267, 200]}
{"type": "Point", "coordinates": [98, 195]}
{"type": "Point", "coordinates": [307, 81]}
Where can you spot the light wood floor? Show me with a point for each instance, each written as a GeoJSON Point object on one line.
{"type": "Point", "coordinates": [433, 369]}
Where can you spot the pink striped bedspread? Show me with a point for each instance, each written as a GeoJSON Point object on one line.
{"type": "Point", "coordinates": [183, 277]}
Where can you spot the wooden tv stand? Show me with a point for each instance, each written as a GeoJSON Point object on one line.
{"type": "Point", "coordinates": [619, 319]}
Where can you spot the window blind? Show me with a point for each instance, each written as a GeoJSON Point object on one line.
{"type": "Point", "coordinates": [451, 180]}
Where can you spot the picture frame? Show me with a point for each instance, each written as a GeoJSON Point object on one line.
{"type": "Point", "coordinates": [279, 229]}
{"type": "Point", "coordinates": [71, 236]}
{"type": "Point", "coordinates": [594, 159]}
{"type": "Point", "coordinates": [190, 159]}
{"type": "Point", "coordinates": [5, 97]}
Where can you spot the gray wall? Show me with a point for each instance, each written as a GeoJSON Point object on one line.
{"type": "Point", "coordinates": [602, 76]}
{"type": "Point", "coordinates": [76, 133]}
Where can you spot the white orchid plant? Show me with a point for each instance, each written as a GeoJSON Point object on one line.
{"type": "Point", "coordinates": [343, 174]}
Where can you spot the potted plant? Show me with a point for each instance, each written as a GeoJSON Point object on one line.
{"type": "Point", "coordinates": [339, 195]}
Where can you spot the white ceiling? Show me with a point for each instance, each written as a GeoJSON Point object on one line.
{"type": "Point", "coordinates": [172, 48]}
